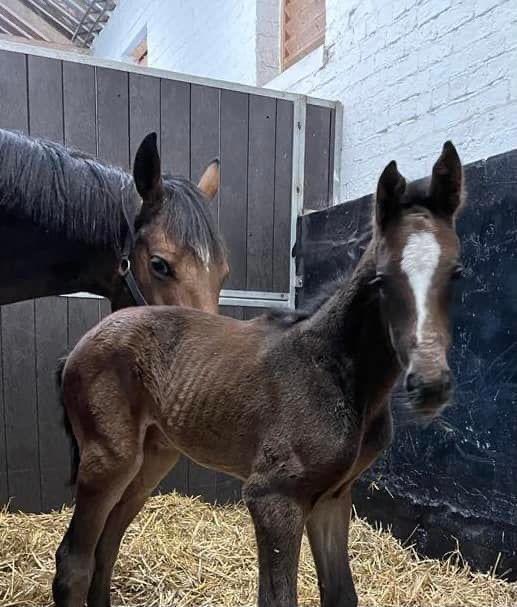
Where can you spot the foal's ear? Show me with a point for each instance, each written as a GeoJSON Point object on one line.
{"type": "Point", "coordinates": [390, 189]}
{"type": "Point", "coordinates": [147, 173]}
{"type": "Point", "coordinates": [209, 182]}
{"type": "Point", "coordinates": [446, 192]}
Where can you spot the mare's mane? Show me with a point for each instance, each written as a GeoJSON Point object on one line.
{"type": "Point", "coordinates": [69, 192]}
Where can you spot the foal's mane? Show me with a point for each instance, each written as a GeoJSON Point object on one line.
{"type": "Point", "coordinates": [69, 192]}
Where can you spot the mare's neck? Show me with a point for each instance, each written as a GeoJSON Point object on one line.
{"type": "Point", "coordinates": [38, 263]}
{"type": "Point", "coordinates": [352, 336]}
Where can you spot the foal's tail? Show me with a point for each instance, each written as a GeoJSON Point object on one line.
{"type": "Point", "coordinates": [68, 426]}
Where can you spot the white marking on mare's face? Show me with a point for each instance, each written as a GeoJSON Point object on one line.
{"type": "Point", "coordinates": [420, 259]}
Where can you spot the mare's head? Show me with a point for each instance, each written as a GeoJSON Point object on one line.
{"type": "Point", "coordinates": [417, 260]}
{"type": "Point", "coordinates": [179, 257]}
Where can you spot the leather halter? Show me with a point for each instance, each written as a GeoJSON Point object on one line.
{"type": "Point", "coordinates": [124, 268]}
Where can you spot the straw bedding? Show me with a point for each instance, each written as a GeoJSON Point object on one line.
{"type": "Point", "coordinates": [183, 552]}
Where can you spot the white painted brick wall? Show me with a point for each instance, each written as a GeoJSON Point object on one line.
{"type": "Point", "coordinates": [410, 73]}
{"type": "Point", "coordinates": [215, 38]}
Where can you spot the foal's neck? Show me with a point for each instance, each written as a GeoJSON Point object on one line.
{"type": "Point", "coordinates": [351, 333]}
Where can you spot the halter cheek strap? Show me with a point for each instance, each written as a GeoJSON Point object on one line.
{"type": "Point", "coordinates": [124, 268]}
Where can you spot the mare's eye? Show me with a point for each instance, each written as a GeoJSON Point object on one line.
{"type": "Point", "coordinates": [457, 272]}
{"type": "Point", "coordinates": [160, 267]}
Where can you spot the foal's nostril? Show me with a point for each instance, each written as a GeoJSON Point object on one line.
{"type": "Point", "coordinates": [412, 382]}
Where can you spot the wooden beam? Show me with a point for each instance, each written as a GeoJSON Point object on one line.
{"type": "Point", "coordinates": [18, 26]}
{"type": "Point", "coordinates": [34, 21]}
{"type": "Point", "coordinates": [58, 46]}
{"type": "Point", "coordinates": [53, 19]}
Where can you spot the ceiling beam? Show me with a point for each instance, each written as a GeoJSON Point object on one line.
{"type": "Point", "coordinates": [49, 16]}
{"type": "Point", "coordinates": [34, 21]}
{"type": "Point", "coordinates": [14, 18]}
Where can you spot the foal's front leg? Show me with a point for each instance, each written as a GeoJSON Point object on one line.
{"type": "Point", "coordinates": [278, 521]}
{"type": "Point", "coordinates": [327, 528]}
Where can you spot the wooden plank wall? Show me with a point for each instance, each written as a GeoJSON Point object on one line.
{"type": "Point", "coordinates": [319, 157]}
{"type": "Point", "coordinates": [34, 335]}
{"type": "Point", "coordinates": [106, 113]}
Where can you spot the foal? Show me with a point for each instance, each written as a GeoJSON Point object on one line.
{"type": "Point", "coordinates": [296, 407]}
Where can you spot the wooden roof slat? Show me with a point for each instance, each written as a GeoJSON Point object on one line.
{"type": "Point", "coordinates": [31, 28]}
{"type": "Point", "coordinates": [78, 20]}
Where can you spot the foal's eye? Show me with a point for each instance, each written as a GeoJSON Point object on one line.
{"type": "Point", "coordinates": [457, 272]}
{"type": "Point", "coordinates": [160, 267]}
{"type": "Point", "coordinates": [377, 280]}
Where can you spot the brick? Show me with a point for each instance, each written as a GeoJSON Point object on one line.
{"type": "Point", "coordinates": [457, 15]}
{"type": "Point", "coordinates": [439, 95]}
{"type": "Point", "coordinates": [427, 11]}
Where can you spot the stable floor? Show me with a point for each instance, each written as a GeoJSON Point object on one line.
{"type": "Point", "coordinates": [182, 552]}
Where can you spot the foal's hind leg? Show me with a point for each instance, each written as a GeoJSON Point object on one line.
{"type": "Point", "coordinates": [156, 464]}
{"type": "Point", "coordinates": [100, 484]}
{"type": "Point", "coordinates": [278, 521]}
{"type": "Point", "coordinates": [327, 528]}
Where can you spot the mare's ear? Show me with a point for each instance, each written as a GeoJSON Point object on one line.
{"type": "Point", "coordinates": [209, 182]}
{"type": "Point", "coordinates": [148, 175]}
{"type": "Point", "coordinates": [446, 191]}
{"type": "Point", "coordinates": [390, 189]}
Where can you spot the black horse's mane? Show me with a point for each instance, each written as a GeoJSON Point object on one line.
{"type": "Point", "coordinates": [286, 318]}
{"type": "Point", "coordinates": [68, 192]}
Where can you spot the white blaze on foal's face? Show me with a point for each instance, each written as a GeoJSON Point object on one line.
{"type": "Point", "coordinates": [420, 258]}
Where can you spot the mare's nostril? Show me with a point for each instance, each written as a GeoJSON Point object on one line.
{"type": "Point", "coordinates": [412, 382]}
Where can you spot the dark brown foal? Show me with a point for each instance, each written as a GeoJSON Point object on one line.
{"type": "Point", "coordinates": [296, 406]}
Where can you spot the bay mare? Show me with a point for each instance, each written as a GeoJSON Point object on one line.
{"type": "Point", "coordinates": [65, 219]}
{"type": "Point", "coordinates": [296, 405]}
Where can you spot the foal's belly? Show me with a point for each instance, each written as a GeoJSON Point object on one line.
{"type": "Point", "coordinates": [217, 428]}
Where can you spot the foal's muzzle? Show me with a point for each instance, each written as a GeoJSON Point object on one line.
{"type": "Point", "coordinates": [429, 397]}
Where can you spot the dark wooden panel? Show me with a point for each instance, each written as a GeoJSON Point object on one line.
{"type": "Point", "coordinates": [261, 193]}
{"type": "Point", "coordinates": [13, 91]}
{"type": "Point", "coordinates": [144, 109]}
{"type": "Point", "coordinates": [250, 313]}
{"type": "Point", "coordinates": [113, 116]}
{"type": "Point", "coordinates": [316, 182]}
{"type": "Point", "coordinates": [82, 315]}
{"type": "Point", "coordinates": [232, 311]}
{"type": "Point", "coordinates": [204, 133]}
{"type": "Point", "coordinates": [45, 78]}
{"type": "Point", "coordinates": [283, 182]}
{"type": "Point", "coordinates": [20, 401]}
{"type": "Point", "coordinates": [175, 127]}
{"type": "Point", "coordinates": [51, 343]}
{"type": "Point", "coordinates": [4, 492]}
{"type": "Point", "coordinates": [105, 308]}
{"type": "Point", "coordinates": [79, 106]}
{"type": "Point", "coordinates": [234, 183]}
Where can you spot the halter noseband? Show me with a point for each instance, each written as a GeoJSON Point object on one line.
{"type": "Point", "coordinates": [124, 268]}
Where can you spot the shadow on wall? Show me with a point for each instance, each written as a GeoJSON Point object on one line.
{"type": "Point", "coordinates": [454, 482]}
